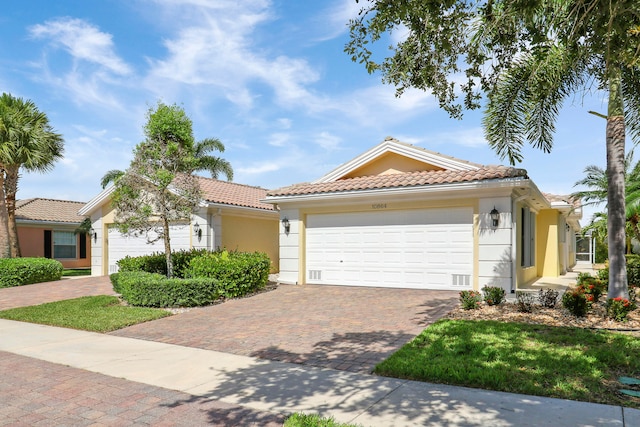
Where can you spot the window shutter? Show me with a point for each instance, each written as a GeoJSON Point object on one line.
{"type": "Point", "coordinates": [83, 246]}
{"type": "Point", "coordinates": [47, 243]}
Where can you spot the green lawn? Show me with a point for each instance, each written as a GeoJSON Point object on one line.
{"type": "Point", "coordinates": [98, 314]}
{"type": "Point", "coordinates": [72, 272]}
{"type": "Point", "coordinates": [562, 362]}
{"type": "Point", "coordinates": [303, 420]}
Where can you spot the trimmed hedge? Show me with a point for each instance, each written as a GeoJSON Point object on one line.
{"type": "Point", "coordinates": [157, 263]}
{"type": "Point", "coordinates": [238, 273]}
{"type": "Point", "coordinates": [155, 290]}
{"type": "Point", "coordinates": [25, 271]}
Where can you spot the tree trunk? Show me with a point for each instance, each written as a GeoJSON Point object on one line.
{"type": "Point", "coordinates": [5, 250]}
{"type": "Point", "coordinates": [167, 247]}
{"type": "Point", "coordinates": [11, 189]}
{"type": "Point", "coordinates": [616, 191]}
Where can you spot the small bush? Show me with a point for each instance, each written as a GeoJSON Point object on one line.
{"type": "Point", "coordinates": [155, 290]}
{"type": "Point", "coordinates": [548, 297]}
{"type": "Point", "coordinates": [25, 271]}
{"type": "Point", "coordinates": [524, 301]}
{"type": "Point", "coordinates": [618, 308]}
{"type": "Point", "coordinates": [157, 262]}
{"type": "Point", "coordinates": [470, 300]}
{"type": "Point", "coordinates": [592, 287]}
{"type": "Point", "coordinates": [493, 295]}
{"type": "Point", "coordinates": [575, 301]}
{"type": "Point", "coordinates": [237, 273]}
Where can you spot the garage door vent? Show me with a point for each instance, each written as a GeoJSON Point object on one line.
{"type": "Point", "coordinates": [315, 274]}
{"type": "Point", "coordinates": [462, 280]}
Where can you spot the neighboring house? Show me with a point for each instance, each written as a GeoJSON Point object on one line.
{"type": "Point", "coordinates": [402, 216]}
{"type": "Point", "coordinates": [230, 216]}
{"type": "Point", "coordinates": [46, 228]}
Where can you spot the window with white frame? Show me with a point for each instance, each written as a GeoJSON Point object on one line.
{"type": "Point", "coordinates": [528, 238]}
{"type": "Point", "coordinates": [64, 244]}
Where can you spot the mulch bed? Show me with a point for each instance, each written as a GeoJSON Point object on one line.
{"type": "Point", "coordinates": [558, 316]}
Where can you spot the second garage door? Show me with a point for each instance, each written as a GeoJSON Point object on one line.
{"type": "Point", "coordinates": [421, 249]}
{"type": "Point", "coordinates": [121, 245]}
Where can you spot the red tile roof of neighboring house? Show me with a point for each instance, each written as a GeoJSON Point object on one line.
{"type": "Point", "coordinates": [38, 209]}
{"type": "Point", "coordinates": [568, 199]}
{"type": "Point", "coordinates": [396, 180]}
{"type": "Point", "coordinates": [229, 193]}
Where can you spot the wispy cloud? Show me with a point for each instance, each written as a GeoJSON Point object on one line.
{"type": "Point", "coordinates": [82, 41]}
{"type": "Point", "coordinates": [472, 137]}
{"type": "Point", "coordinates": [327, 141]}
{"type": "Point", "coordinates": [220, 49]}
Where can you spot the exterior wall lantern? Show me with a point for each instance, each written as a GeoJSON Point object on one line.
{"type": "Point", "coordinates": [197, 231]}
{"type": "Point", "coordinates": [495, 217]}
{"type": "Point", "coordinates": [94, 234]}
{"type": "Point", "coordinates": [286, 224]}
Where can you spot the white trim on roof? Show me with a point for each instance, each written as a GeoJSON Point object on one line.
{"type": "Point", "coordinates": [97, 201]}
{"type": "Point", "coordinates": [391, 145]}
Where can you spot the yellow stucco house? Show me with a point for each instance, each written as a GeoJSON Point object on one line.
{"type": "Point", "coordinates": [230, 216]}
{"type": "Point", "coordinates": [402, 216]}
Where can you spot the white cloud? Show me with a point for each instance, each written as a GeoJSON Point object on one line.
{"type": "Point", "coordinates": [327, 141]}
{"type": "Point", "coordinates": [472, 137]}
{"type": "Point", "coordinates": [336, 18]}
{"type": "Point", "coordinates": [285, 123]}
{"type": "Point", "coordinates": [279, 139]}
{"type": "Point", "coordinates": [219, 49]}
{"type": "Point", "coordinates": [259, 168]}
{"type": "Point", "coordinates": [82, 41]}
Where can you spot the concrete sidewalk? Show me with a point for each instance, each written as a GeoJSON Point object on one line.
{"type": "Point", "coordinates": [284, 388]}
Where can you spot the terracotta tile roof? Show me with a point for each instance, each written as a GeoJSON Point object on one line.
{"type": "Point", "coordinates": [229, 193]}
{"type": "Point", "coordinates": [409, 179]}
{"type": "Point", "coordinates": [38, 209]}
{"type": "Point", "coordinates": [575, 202]}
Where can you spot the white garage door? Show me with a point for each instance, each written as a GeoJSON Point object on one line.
{"type": "Point", "coordinates": [120, 245]}
{"type": "Point", "coordinates": [421, 249]}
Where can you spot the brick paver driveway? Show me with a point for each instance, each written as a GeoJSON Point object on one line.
{"type": "Point", "coordinates": [338, 327]}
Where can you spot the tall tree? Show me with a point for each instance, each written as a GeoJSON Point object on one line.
{"type": "Point", "coordinates": [526, 57]}
{"type": "Point", "coordinates": [159, 188]}
{"type": "Point", "coordinates": [596, 184]}
{"type": "Point", "coordinates": [203, 161]}
{"type": "Point", "coordinates": [30, 144]}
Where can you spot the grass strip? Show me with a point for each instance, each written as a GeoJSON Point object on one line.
{"type": "Point", "coordinates": [73, 272]}
{"type": "Point", "coordinates": [95, 313]}
{"type": "Point", "coordinates": [562, 362]}
{"type": "Point", "coordinates": [313, 420]}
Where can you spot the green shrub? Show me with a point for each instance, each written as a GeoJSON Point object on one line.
{"type": "Point", "coordinates": [157, 262]}
{"type": "Point", "coordinates": [237, 273]}
{"type": "Point", "coordinates": [575, 301]}
{"type": "Point", "coordinates": [524, 301]}
{"type": "Point", "coordinates": [25, 271]}
{"type": "Point", "coordinates": [592, 287]}
{"type": "Point", "coordinates": [618, 308]}
{"type": "Point", "coordinates": [493, 295]}
{"type": "Point", "coordinates": [470, 300]}
{"type": "Point", "coordinates": [155, 290]}
{"type": "Point", "coordinates": [548, 297]}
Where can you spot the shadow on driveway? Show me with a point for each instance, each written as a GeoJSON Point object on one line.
{"type": "Point", "coordinates": [338, 327]}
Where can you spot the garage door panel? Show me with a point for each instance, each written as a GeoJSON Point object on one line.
{"type": "Point", "coordinates": [120, 245]}
{"type": "Point", "coordinates": [414, 249]}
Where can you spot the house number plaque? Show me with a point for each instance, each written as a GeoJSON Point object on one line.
{"type": "Point", "coordinates": [379, 206]}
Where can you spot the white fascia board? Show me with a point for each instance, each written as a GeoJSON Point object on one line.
{"type": "Point", "coordinates": [392, 146]}
{"type": "Point", "coordinates": [97, 201]}
{"type": "Point", "coordinates": [498, 188]}
{"type": "Point", "coordinates": [242, 210]}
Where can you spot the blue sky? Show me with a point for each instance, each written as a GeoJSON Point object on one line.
{"type": "Point", "coordinates": [268, 78]}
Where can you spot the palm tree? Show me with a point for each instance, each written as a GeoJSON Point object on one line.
{"type": "Point", "coordinates": [204, 162]}
{"type": "Point", "coordinates": [588, 47]}
{"type": "Point", "coordinates": [31, 145]}
{"type": "Point", "coordinates": [596, 181]}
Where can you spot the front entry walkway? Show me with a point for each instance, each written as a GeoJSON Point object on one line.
{"type": "Point", "coordinates": [338, 327]}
